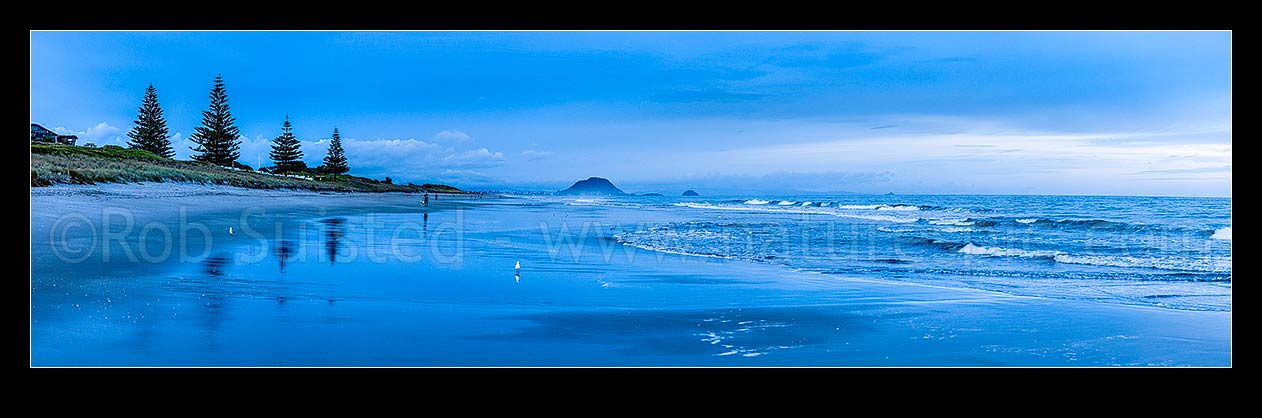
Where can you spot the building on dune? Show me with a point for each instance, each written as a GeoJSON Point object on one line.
{"type": "Point", "coordinates": [42, 134]}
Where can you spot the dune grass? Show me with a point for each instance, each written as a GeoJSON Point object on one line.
{"type": "Point", "coordinates": [61, 164]}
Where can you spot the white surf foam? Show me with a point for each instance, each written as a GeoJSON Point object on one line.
{"type": "Point", "coordinates": [1223, 233]}
{"type": "Point", "coordinates": [697, 205]}
{"type": "Point", "coordinates": [899, 207]}
{"type": "Point", "coordinates": [972, 249]}
{"type": "Point", "coordinates": [798, 210]}
{"type": "Point", "coordinates": [883, 218]}
{"type": "Point", "coordinates": [756, 202]}
{"type": "Point", "coordinates": [953, 222]}
{"type": "Point", "coordinates": [1028, 221]}
{"type": "Point", "coordinates": [1207, 264]}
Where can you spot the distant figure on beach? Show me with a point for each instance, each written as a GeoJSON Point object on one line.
{"type": "Point", "coordinates": [230, 232]}
{"type": "Point", "coordinates": [426, 202]}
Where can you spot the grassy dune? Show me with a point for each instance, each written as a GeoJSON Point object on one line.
{"type": "Point", "coordinates": [60, 164]}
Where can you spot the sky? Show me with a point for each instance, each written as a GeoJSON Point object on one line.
{"type": "Point", "coordinates": [1108, 113]}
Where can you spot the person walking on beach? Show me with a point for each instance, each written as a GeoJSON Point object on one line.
{"type": "Point", "coordinates": [426, 201]}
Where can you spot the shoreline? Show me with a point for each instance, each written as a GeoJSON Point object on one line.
{"type": "Point", "coordinates": [44, 198]}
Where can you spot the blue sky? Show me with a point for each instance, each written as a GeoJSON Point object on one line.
{"type": "Point", "coordinates": [722, 112]}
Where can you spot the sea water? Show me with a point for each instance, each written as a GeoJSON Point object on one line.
{"type": "Point", "coordinates": [714, 280]}
{"type": "Point", "coordinates": [1161, 251]}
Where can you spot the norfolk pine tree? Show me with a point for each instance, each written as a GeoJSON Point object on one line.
{"type": "Point", "coordinates": [150, 130]}
{"type": "Point", "coordinates": [335, 161]}
{"type": "Point", "coordinates": [217, 139]}
{"type": "Point", "coordinates": [287, 150]}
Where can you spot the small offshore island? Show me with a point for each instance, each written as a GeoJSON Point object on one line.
{"type": "Point", "coordinates": [597, 186]}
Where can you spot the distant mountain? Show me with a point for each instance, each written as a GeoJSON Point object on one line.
{"type": "Point", "coordinates": [593, 186]}
{"type": "Point", "coordinates": [691, 193]}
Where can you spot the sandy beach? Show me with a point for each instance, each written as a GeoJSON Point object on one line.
{"type": "Point", "coordinates": [375, 279]}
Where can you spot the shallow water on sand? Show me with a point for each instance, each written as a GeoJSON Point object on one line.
{"type": "Point", "coordinates": [391, 283]}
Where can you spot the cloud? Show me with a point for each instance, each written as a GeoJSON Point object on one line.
{"type": "Point", "coordinates": [182, 146]}
{"type": "Point", "coordinates": [254, 151]}
{"type": "Point", "coordinates": [1009, 161]}
{"type": "Point", "coordinates": [405, 160]}
{"type": "Point", "coordinates": [102, 130]}
{"type": "Point", "coordinates": [379, 156]}
{"type": "Point", "coordinates": [451, 136]}
{"type": "Point", "coordinates": [480, 157]}
{"type": "Point", "coordinates": [779, 182]}
{"type": "Point", "coordinates": [533, 155]}
{"type": "Point", "coordinates": [100, 134]}
{"type": "Point", "coordinates": [467, 178]}
{"type": "Point", "coordinates": [387, 148]}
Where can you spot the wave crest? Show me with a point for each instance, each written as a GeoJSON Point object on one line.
{"type": "Point", "coordinates": [1223, 233]}
{"type": "Point", "coordinates": [974, 249]}
{"type": "Point", "coordinates": [1207, 264]}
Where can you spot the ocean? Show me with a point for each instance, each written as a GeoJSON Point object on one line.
{"type": "Point", "coordinates": [313, 279]}
{"type": "Point", "coordinates": [1161, 251]}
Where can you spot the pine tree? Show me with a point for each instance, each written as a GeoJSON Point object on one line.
{"type": "Point", "coordinates": [287, 151]}
{"type": "Point", "coordinates": [217, 139]}
{"type": "Point", "coordinates": [150, 132]}
{"type": "Point", "coordinates": [335, 162]}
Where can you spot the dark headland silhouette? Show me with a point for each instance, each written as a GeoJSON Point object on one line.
{"type": "Point", "coordinates": [691, 193]}
{"type": "Point", "coordinates": [593, 186]}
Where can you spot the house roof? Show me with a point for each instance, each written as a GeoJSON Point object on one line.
{"type": "Point", "coordinates": [36, 127]}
